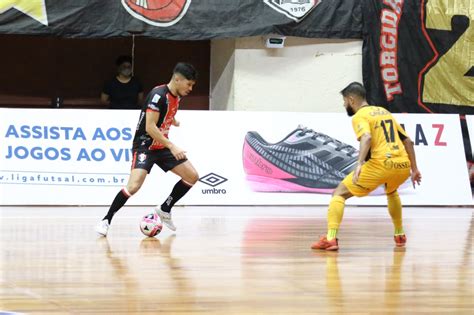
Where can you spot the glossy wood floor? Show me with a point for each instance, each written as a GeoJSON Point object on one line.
{"type": "Point", "coordinates": [235, 260]}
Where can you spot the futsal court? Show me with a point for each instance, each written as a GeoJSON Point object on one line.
{"type": "Point", "coordinates": [235, 260]}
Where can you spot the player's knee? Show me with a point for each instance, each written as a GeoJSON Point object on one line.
{"type": "Point", "coordinates": [342, 191]}
{"type": "Point", "coordinates": [193, 177]}
{"type": "Point", "coordinates": [393, 194]}
{"type": "Point", "coordinates": [133, 188]}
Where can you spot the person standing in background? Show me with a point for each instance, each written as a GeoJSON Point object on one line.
{"type": "Point", "coordinates": [124, 91]}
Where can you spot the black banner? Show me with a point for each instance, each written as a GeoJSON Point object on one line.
{"type": "Point", "coordinates": [182, 19]}
{"type": "Point", "coordinates": [418, 55]}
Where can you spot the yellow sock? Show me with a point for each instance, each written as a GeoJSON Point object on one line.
{"type": "Point", "coordinates": [395, 210]}
{"type": "Point", "coordinates": [332, 234]}
{"type": "Point", "coordinates": [335, 213]}
{"type": "Point", "coordinates": [399, 231]}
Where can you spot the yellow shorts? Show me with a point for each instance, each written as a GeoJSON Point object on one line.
{"type": "Point", "coordinates": [391, 173]}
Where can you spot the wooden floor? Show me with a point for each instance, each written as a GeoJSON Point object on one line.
{"type": "Point", "coordinates": [235, 260]}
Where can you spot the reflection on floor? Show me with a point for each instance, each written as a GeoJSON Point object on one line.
{"type": "Point", "coordinates": [235, 260]}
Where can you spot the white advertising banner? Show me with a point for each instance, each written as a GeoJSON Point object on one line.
{"type": "Point", "coordinates": [83, 157]}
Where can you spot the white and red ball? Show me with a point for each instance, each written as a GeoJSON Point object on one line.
{"type": "Point", "coordinates": [150, 225]}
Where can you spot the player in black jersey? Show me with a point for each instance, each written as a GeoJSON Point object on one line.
{"type": "Point", "coordinates": [152, 146]}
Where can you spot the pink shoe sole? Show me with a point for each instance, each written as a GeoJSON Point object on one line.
{"type": "Point", "coordinates": [266, 184]}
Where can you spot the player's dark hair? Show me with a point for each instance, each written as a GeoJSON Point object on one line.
{"type": "Point", "coordinates": [186, 70]}
{"type": "Point", "coordinates": [122, 59]}
{"type": "Point", "coordinates": [355, 88]}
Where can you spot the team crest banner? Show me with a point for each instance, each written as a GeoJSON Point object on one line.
{"type": "Point", "coordinates": [157, 12]}
{"type": "Point", "coordinates": [295, 10]}
{"type": "Point", "coordinates": [418, 55]}
{"type": "Point", "coordinates": [182, 19]}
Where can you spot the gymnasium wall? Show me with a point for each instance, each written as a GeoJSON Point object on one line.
{"type": "Point", "coordinates": [235, 74]}
{"type": "Point", "coordinates": [36, 69]}
{"type": "Point", "coordinates": [304, 76]}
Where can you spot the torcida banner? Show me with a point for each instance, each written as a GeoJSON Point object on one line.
{"type": "Point", "coordinates": [418, 55]}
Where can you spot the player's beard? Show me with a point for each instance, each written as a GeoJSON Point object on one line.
{"type": "Point", "coordinates": [350, 111]}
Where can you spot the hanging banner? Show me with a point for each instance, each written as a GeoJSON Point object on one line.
{"type": "Point", "coordinates": [182, 19]}
{"type": "Point", "coordinates": [418, 55]}
{"type": "Point", "coordinates": [470, 127]}
{"type": "Point", "coordinates": [63, 157]}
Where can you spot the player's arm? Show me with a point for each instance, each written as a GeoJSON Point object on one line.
{"type": "Point", "coordinates": [151, 128]}
{"type": "Point", "coordinates": [362, 130]}
{"type": "Point", "coordinates": [365, 141]}
{"type": "Point", "coordinates": [176, 122]}
{"type": "Point", "coordinates": [415, 173]}
{"type": "Point", "coordinates": [409, 147]}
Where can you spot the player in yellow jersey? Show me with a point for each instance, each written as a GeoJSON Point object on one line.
{"type": "Point", "coordinates": [386, 157]}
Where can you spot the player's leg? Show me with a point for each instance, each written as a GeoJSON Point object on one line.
{"type": "Point", "coordinates": [369, 179]}
{"type": "Point", "coordinates": [334, 217]}
{"type": "Point", "coordinates": [189, 177]}
{"type": "Point", "coordinates": [135, 181]}
{"type": "Point", "coordinates": [395, 209]}
{"type": "Point", "coordinates": [394, 204]}
{"type": "Point", "coordinates": [336, 209]}
{"type": "Point", "coordinates": [142, 163]}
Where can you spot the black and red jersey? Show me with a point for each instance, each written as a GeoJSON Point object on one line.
{"type": "Point", "coordinates": [159, 100]}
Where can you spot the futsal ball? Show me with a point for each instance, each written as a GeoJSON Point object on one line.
{"type": "Point", "coordinates": [150, 225]}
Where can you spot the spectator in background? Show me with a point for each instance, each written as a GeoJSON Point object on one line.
{"type": "Point", "coordinates": [124, 91]}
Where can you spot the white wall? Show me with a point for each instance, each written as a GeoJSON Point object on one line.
{"type": "Point", "coordinates": [306, 75]}
{"type": "Point", "coordinates": [222, 72]}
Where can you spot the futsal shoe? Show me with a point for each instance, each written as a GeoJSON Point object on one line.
{"type": "Point", "coordinates": [102, 227]}
{"type": "Point", "coordinates": [165, 218]}
{"type": "Point", "coordinates": [324, 244]}
{"type": "Point", "coordinates": [400, 240]}
{"type": "Point", "coordinates": [304, 161]}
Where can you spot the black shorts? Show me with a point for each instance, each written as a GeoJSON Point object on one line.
{"type": "Point", "coordinates": [145, 159]}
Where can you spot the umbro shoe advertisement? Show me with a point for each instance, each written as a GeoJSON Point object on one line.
{"type": "Point", "coordinates": [65, 157]}
{"type": "Point", "coordinates": [303, 161]}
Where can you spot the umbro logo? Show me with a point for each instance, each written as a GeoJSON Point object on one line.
{"type": "Point", "coordinates": [212, 179]}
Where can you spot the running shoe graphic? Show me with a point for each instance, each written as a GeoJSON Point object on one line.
{"type": "Point", "coordinates": [304, 161]}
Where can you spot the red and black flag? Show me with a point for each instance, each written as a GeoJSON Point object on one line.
{"type": "Point", "coordinates": [182, 19]}
{"type": "Point", "coordinates": [418, 55]}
